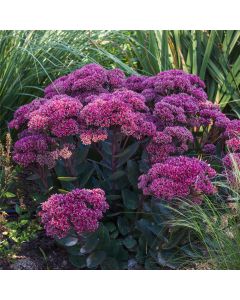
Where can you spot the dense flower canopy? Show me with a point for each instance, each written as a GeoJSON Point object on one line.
{"type": "Point", "coordinates": [165, 111]}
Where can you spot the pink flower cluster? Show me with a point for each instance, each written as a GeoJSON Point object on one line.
{"type": "Point", "coordinates": [177, 109]}
{"type": "Point", "coordinates": [124, 109]}
{"type": "Point", "coordinates": [80, 210]}
{"type": "Point", "coordinates": [44, 123]}
{"type": "Point", "coordinates": [171, 141]}
{"type": "Point", "coordinates": [178, 177]}
{"type": "Point", "coordinates": [22, 114]}
{"type": "Point", "coordinates": [167, 83]}
{"type": "Point", "coordinates": [166, 110]}
{"type": "Point", "coordinates": [89, 80]}
{"type": "Point", "coordinates": [40, 149]}
{"type": "Point", "coordinates": [209, 149]}
{"type": "Point", "coordinates": [185, 110]}
{"type": "Point", "coordinates": [58, 116]}
{"type": "Point", "coordinates": [231, 161]}
{"type": "Point", "coordinates": [232, 135]}
{"type": "Point", "coordinates": [90, 101]}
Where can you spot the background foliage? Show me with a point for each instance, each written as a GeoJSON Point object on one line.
{"type": "Point", "coordinates": [213, 55]}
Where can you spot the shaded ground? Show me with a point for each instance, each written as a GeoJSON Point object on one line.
{"type": "Point", "coordinates": [42, 253]}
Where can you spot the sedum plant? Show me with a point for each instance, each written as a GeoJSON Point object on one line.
{"type": "Point", "coordinates": [110, 151]}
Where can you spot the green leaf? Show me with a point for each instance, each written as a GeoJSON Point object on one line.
{"type": "Point", "coordinates": [192, 251]}
{"type": "Point", "coordinates": [114, 248]}
{"type": "Point", "coordinates": [74, 250]}
{"type": "Point", "coordinates": [110, 263]}
{"type": "Point", "coordinates": [150, 231]}
{"type": "Point", "coordinates": [85, 178]}
{"type": "Point", "coordinates": [78, 261]}
{"type": "Point", "coordinates": [24, 222]}
{"type": "Point", "coordinates": [107, 147]}
{"type": "Point", "coordinates": [164, 50]}
{"type": "Point", "coordinates": [207, 54]}
{"type": "Point", "coordinates": [150, 264]}
{"type": "Point", "coordinates": [111, 226]}
{"type": "Point", "coordinates": [82, 153]}
{"type": "Point", "coordinates": [116, 175]}
{"type": "Point", "coordinates": [133, 172]}
{"type": "Point", "coordinates": [175, 239]}
{"type": "Point", "coordinates": [161, 260]}
{"type": "Point", "coordinates": [33, 177]}
{"type": "Point", "coordinates": [70, 241]}
{"type": "Point", "coordinates": [164, 259]}
{"type": "Point", "coordinates": [104, 237]}
{"type": "Point", "coordinates": [129, 242]}
{"type": "Point", "coordinates": [90, 245]}
{"type": "Point", "coordinates": [113, 197]}
{"type": "Point", "coordinates": [163, 209]}
{"type": "Point", "coordinates": [8, 195]}
{"type": "Point", "coordinates": [18, 209]}
{"type": "Point", "coordinates": [122, 254]}
{"type": "Point", "coordinates": [123, 225]}
{"type": "Point", "coordinates": [114, 234]}
{"type": "Point", "coordinates": [127, 154]}
{"type": "Point", "coordinates": [95, 259]}
{"type": "Point", "coordinates": [62, 191]}
{"type": "Point", "coordinates": [130, 199]}
{"type": "Point", "coordinates": [67, 179]}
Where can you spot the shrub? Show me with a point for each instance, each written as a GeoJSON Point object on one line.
{"type": "Point", "coordinates": [96, 131]}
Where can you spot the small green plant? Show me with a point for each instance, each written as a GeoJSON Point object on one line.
{"type": "Point", "coordinates": [14, 233]}
{"type": "Point", "coordinates": [7, 172]}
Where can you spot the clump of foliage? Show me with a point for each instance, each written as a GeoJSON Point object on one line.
{"type": "Point", "coordinates": [13, 233]}
{"type": "Point", "coordinates": [7, 172]}
{"type": "Point", "coordinates": [214, 228]}
{"type": "Point", "coordinates": [14, 229]}
{"type": "Point", "coordinates": [97, 133]}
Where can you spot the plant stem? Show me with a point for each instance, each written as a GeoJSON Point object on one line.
{"type": "Point", "coordinates": [116, 142]}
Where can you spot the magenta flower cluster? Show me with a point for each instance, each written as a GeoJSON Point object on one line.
{"type": "Point", "coordinates": [172, 140]}
{"type": "Point", "coordinates": [166, 110]}
{"type": "Point", "coordinates": [89, 80]}
{"type": "Point", "coordinates": [231, 161]}
{"type": "Point", "coordinates": [79, 210]}
{"type": "Point", "coordinates": [123, 109]}
{"type": "Point", "coordinates": [166, 83]}
{"type": "Point", "coordinates": [178, 177]}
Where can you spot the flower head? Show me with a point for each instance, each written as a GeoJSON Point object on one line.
{"type": "Point", "coordinates": [123, 109]}
{"type": "Point", "coordinates": [169, 142]}
{"type": "Point", "coordinates": [178, 177]}
{"type": "Point", "coordinates": [80, 209]}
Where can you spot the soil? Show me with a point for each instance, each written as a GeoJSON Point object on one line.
{"type": "Point", "coordinates": [41, 253]}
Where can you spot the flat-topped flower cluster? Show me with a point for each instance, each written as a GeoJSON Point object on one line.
{"type": "Point", "coordinates": [167, 111]}
{"type": "Point", "coordinates": [178, 177]}
{"type": "Point", "coordinates": [79, 210]}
